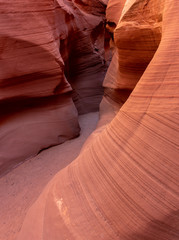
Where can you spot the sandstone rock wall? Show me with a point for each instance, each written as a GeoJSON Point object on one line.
{"type": "Point", "coordinates": [50, 52]}
{"type": "Point", "coordinates": [124, 184]}
{"type": "Point", "coordinates": [137, 37]}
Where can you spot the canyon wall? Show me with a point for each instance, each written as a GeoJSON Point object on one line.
{"type": "Point", "coordinates": [124, 183]}
{"type": "Point", "coordinates": [50, 53]}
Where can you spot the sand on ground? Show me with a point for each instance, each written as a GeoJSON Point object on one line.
{"type": "Point", "coordinates": [21, 186]}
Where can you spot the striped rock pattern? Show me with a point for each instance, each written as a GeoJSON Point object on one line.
{"type": "Point", "coordinates": [47, 49]}
{"type": "Point", "coordinates": [124, 184]}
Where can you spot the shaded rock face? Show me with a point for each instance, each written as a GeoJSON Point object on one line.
{"type": "Point", "coordinates": [82, 49]}
{"type": "Point", "coordinates": [50, 53]}
{"type": "Point", "coordinates": [124, 183]}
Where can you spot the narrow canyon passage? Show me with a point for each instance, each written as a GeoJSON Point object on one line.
{"type": "Point", "coordinates": [22, 186]}
{"type": "Point", "coordinates": [117, 178]}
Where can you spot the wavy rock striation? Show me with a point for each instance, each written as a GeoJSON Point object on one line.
{"type": "Point", "coordinates": [50, 52]}
{"type": "Point", "coordinates": [124, 184]}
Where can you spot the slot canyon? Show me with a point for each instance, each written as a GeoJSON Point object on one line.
{"type": "Point", "coordinates": [89, 112]}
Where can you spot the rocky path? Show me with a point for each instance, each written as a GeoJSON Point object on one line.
{"type": "Point", "coordinates": [21, 187]}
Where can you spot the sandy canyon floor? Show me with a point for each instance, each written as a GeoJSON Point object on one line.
{"type": "Point", "coordinates": [22, 186]}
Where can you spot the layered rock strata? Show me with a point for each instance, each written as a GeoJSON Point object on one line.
{"type": "Point", "coordinates": [50, 52]}
{"type": "Point", "coordinates": [137, 36]}
{"type": "Point", "coordinates": [124, 184]}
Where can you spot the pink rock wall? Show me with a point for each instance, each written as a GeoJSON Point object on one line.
{"type": "Point", "coordinates": [124, 184]}
{"type": "Point", "coordinates": [50, 52]}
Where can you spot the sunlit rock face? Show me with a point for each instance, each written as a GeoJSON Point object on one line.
{"type": "Point", "coordinates": [50, 53]}
{"type": "Point", "coordinates": [123, 185]}
{"type": "Point", "coordinates": [137, 36]}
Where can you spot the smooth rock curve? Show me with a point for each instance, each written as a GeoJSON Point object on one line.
{"type": "Point", "coordinates": [124, 184]}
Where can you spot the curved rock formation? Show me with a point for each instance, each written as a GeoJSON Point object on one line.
{"type": "Point", "coordinates": [137, 37]}
{"type": "Point", "coordinates": [124, 184]}
{"type": "Point", "coordinates": [50, 52]}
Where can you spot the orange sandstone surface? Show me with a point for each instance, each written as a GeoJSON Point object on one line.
{"type": "Point", "coordinates": [124, 184]}
{"type": "Point", "coordinates": [51, 56]}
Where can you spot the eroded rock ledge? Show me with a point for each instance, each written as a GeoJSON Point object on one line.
{"type": "Point", "coordinates": [51, 52]}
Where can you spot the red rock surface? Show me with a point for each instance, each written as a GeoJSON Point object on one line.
{"type": "Point", "coordinates": [114, 10]}
{"type": "Point", "coordinates": [47, 48]}
{"type": "Point", "coordinates": [124, 184]}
